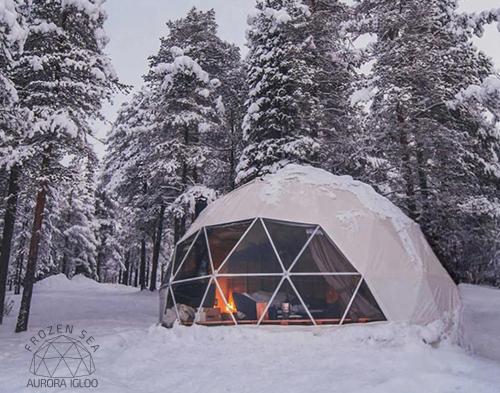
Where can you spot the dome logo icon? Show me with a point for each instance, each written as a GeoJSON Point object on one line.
{"type": "Point", "coordinates": [62, 357]}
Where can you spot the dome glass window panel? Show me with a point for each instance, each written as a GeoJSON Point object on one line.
{"type": "Point", "coordinates": [223, 238]}
{"type": "Point", "coordinates": [188, 297]}
{"type": "Point", "coordinates": [289, 238]}
{"type": "Point", "coordinates": [326, 297]}
{"type": "Point", "coordinates": [248, 296]}
{"type": "Point", "coordinates": [254, 254]}
{"type": "Point", "coordinates": [215, 309]}
{"type": "Point", "coordinates": [197, 262]}
{"type": "Point", "coordinates": [180, 252]}
{"type": "Point", "coordinates": [364, 307]}
{"type": "Point", "coordinates": [322, 256]}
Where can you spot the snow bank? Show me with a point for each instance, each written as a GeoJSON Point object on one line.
{"type": "Point", "coordinates": [137, 356]}
{"type": "Point", "coordinates": [60, 282]}
{"type": "Point", "coordinates": [480, 320]}
{"type": "Point", "coordinates": [384, 358]}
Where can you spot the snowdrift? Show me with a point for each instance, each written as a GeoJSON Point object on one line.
{"type": "Point", "coordinates": [480, 320]}
{"type": "Point", "coordinates": [59, 282]}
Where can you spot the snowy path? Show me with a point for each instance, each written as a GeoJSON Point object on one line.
{"type": "Point", "coordinates": [136, 356]}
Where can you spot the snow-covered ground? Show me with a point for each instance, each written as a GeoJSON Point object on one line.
{"type": "Point", "coordinates": [480, 320]}
{"type": "Point", "coordinates": [134, 355]}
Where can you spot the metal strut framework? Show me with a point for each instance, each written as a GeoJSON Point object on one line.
{"type": "Point", "coordinates": [285, 276]}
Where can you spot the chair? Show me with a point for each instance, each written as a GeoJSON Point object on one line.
{"type": "Point", "coordinates": [246, 305]}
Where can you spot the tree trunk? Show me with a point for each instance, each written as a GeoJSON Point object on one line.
{"type": "Point", "coordinates": [136, 277]}
{"type": "Point", "coordinates": [423, 184]}
{"type": "Point", "coordinates": [232, 152]}
{"type": "Point", "coordinates": [19, 271]}
{"type": "Point", "coordinates": [406, 166]}
{"type": "Point", "coordinates": [65, 264]}
{"type": "Point", "coordinates": [126, 272]}
{"type": "Point", "coordinates": [29, 278]}
{"type": "Point", "coordinates": [8, 232]}
{"type": "Point", "coordinates": [143, 265]}
{"type": "Point", "coordinates": [156, 249]}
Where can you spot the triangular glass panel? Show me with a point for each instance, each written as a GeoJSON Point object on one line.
{"type": "Point", "coordinates": [181, 250]}
{"type": "Point", "coordinates": [286, 308]}
{"type": "Point", "coordinates": [322, 256]}
{"type": "Point", "coordinates": [248, 296]}
{"type": "Point", "coordinates": [215, 310]}
{"type": "Point", "coordinates": [364, 307]}
{"type": "Point", "coordinates": [326, 297]}
{"type": "Point", "coordinates": [222, 239]}
{"type": "Point", "coordinates": [288, 238]}
{"type": "Point", "coordinates": [254, 254]}
{"type": "Point", "coordinates": [188, 296]}
{"type": "Point", "coordinates": [197, 262]}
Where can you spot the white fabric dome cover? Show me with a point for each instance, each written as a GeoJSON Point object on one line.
{"type": "Point", "coordinates": [381, 242]}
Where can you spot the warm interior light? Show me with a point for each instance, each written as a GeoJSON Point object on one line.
{"type": "Point", "coordinates": [230, 308]}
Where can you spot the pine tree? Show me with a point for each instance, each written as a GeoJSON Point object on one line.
{"type": "Point", "coordinates": [283, 116]}
{"type": "Point", "coordinates": [335, 61]}
{"type": "Point", "coordinates": [62, 78]}
{"type": "Point", "coordinates": [77, 222]}
{"type": "Point", "coordinates": [195, 79]}
{"type": "Point", "coordinates": [110, 258]}
{"type": "Point", "coordinates": [12, 36]}
{"type": "Point", "coordinates": [127, 175]}
{"type": "Point", "coordinates": [433, 156]}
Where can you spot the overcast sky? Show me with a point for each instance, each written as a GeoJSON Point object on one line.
{"type": "Point", "coordinates": [135, 26]}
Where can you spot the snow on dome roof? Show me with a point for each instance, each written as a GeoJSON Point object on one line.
{"type": "Point", "coordinates": [272, 196]}
{"type": "Point", "coordinates": [329, 182]}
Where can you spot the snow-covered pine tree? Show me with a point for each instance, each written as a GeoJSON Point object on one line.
{"type": "Point", "coordinates": [12, 36]}
{"type": "Point", "coordinates": [110, 258]}
{"type": "Point", "coordinates": [21, 240]}
{"type": "Point", "coordinates": [77, 223]}
{"type": "Point", "coordinates": [62, 78]}
{"type": "Point", "coordinates": [283, 116]}
{"type": "Point", "coordinates": [190, 78]}
{"type": "Point", "coordinates": [177, 139]}
{"type": "Point", "coordinates": [335, 60]}
{"type": "Point", "coordinates": [127, 177]}
{"type": "Point", "coordinates": [221, 60]}
{"type": "Point", "coordinates": [435, 157]}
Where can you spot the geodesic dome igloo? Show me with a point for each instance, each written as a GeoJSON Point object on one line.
{"type": "Point", "coordinates": [304, 247]}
